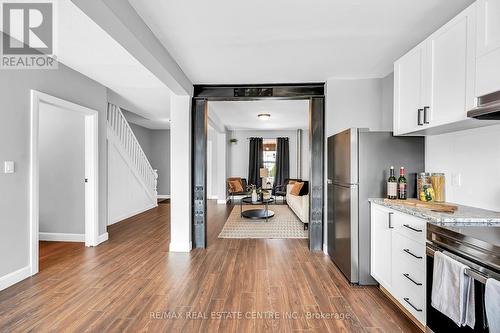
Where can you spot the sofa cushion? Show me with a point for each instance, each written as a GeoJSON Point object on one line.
{"type": "Point", "coordinates": [235, 186]}
{"type": "Point", "coordinates": [296, 188]}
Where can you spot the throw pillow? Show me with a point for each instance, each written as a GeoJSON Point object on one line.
{"type": "Point", "coordinates": [291, 182]}
{"type": "Point", "coordinates": [296, 188]}
{"type": "Point", "coordinates": [235, 186]}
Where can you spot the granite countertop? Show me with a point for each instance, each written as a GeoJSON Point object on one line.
{"type": "Point", "coordinates": [464, 216]}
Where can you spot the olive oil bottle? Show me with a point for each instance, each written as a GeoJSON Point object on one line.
{"type": "Point", "coordinates": [402, 185]}
{"type": "Point", "coordinates": [392, 185]}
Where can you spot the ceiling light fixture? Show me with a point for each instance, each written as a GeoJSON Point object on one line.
{"type": "Point", "coordinates": [264, 116]}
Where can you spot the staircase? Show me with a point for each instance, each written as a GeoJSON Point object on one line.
{"type": "Point", "coordinates": [121, 136]}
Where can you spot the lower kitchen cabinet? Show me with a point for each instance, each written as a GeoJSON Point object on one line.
{"type": "Point", "coordinates": [398, 258]}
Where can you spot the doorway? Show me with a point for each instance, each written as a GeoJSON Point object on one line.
{"type": "Point", "coordinates": [44, 103]}
{"type": "Point", "coordinates": [314, 93]}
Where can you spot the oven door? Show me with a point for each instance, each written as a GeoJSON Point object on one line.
{"type": "Point", "coordinates": [438, 322]}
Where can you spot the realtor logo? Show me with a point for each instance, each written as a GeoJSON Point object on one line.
{"type": "Point", "coordinates": [28, 35]}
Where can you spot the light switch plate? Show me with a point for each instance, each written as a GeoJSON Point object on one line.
{"type": "Point", "coordinates": [8, 167]}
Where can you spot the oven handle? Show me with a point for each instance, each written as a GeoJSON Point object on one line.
{"type": "Point", "coordinates": [475, 274]}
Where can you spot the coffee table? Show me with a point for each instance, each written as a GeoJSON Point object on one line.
{"type": "Point", "coordinates": [258, 213]}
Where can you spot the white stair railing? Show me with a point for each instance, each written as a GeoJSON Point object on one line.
{"type": "Point", "coordinates": [124, 134]}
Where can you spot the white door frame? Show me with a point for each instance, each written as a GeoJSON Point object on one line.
{"type": "Point", "coordinates": [91, 171]}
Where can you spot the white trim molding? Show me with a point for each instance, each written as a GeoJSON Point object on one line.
{"type": "Point", "coordinates": [102, 238]}
{"type": "Point", "coordinates": [12, 278]}
{"type": "Point", "coordinates": [163, 196]}
{"type": "Point", "coordinates": [60, 237]}
{"type": "Point", "coordinates": [222, 201]}
{"type": "Point", "coordinates": [180, 247]}
{"type": "Point", "coordinates": [91, 171]}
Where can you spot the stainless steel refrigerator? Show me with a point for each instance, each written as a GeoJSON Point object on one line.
{"type": "Point", "coordinates": [358, 167]}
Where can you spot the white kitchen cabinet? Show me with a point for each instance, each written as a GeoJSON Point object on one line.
{"type": "Point", "coordinates": [449, 90]}
{"type": "Point", "coordinates": [434, 83]}
{"type": "Point", "coordinates": [398, 260]}
{"type": "Point", "coordinates": [488, 47]}
{"type": "Point", "coordinates": [488, 26]}
{"type": "Point", "coordinates": [408, 89]}
{"type": "Point", "coordinates": [381, 245]}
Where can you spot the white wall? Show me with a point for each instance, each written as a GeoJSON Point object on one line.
{"type": "Point", "coordinates": [238, 165]}
{"type": "Point", "coordinates": [475, 156]}
{"type": "Point", "coordinates": [61, 170]}
{"type": "Point", "coordinates": [14, 146]}
{"type": "Point", "coordinates": [180, 171]}
{"type": "Point", "coordinates": [126, 195]}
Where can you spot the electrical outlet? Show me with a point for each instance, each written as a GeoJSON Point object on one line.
{"type": "Point", "coordinates": [8, 167]}
{"type": "Point", "coordinates": [456, 179]}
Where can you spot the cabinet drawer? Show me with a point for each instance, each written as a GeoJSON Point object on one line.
{"type": "Point", "coordinates": [413, 299]}
{"type": "Point", "coordinates": [409, 251]}
{"type": "Point", "coordinates": [410, 226]}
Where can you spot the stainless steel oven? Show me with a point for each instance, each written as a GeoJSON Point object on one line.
{"type": "Point", "coordinates": [476, 247]}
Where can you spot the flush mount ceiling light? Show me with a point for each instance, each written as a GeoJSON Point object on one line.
{"type": "Point", "coordinates": [264, 116]}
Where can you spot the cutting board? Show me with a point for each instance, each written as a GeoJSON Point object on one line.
{"type": "Point", "coordinates": [433, 206]}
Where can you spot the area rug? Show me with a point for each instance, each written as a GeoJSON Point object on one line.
{"type": "Point", "coordinates": [284, 224]}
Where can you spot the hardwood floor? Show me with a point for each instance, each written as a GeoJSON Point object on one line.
{"type": "Point", "coordinates": [132, 283]}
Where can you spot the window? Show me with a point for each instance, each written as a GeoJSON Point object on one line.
{"type": "Point", "coordinates": [270, 159]}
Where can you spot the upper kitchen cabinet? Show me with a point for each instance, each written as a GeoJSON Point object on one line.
{"type": "Point", "coordinates": [408, 87]}
{"type": "Point", "coordinates": [488, 47]}
{"type": "Point", "coordinates": [449, 89]}
{"type": "Point", "coordinates": [435, 83]}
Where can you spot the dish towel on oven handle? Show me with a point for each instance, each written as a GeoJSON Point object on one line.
{"type": "Point", "coordinates": [492, 304]}
{"type": "Point", "coordinates": [452, 290]}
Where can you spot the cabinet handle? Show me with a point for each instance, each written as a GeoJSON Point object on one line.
{"type": "Point", "coordinates": [406, 275]}
{"type": "Point", "coordinates": [419, 117]}
{"type": "Point", "coordinates": [411, 228]}
{"type": "Point", "coordinates": [426, 119]}
{"type": "Point", "coordinates": [412, 254]}
{"type": "Point", "coordinates": [407, 300]}
{"type": "Point", "coordinates": [390, 220]}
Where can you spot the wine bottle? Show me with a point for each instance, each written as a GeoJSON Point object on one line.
{"type": "Point", "coordinates": [392, 186]}
{"type": "Point", "coordinates": [402, 185]}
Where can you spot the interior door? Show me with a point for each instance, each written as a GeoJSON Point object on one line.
{"type": "Point", "coordinates": [408, 83]}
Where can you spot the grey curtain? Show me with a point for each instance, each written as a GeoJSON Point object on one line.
{"type": "Point", "coordinates": [282, 161]}
{"type": "Point", "coordinates": [256, 161]}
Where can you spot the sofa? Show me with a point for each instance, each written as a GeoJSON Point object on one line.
{"type": "Point", "coordinates": [299, 204]}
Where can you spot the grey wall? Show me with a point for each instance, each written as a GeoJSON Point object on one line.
{"type": "Point", "coordinates": [156, 146]}
{"type": "Point", "coordinates": [365, 103]}
{"type": "Point", "coordinates": [15, 86]}
{"type": "Point", "coordinates": [143, 135]}
{"type": "Point", "coordinates": [62, 170]}
{"type": "Point", "coordinates": [160, 159]}
{"type": "Point", "coordinates": [238, 152]}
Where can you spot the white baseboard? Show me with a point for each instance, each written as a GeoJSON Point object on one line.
{"type": "Point", "coordinates": [213, 197]}
{"type": "Point", "coordinates": [180, 247]}
{"type": "Point", "coordinates": [163, 196]}
{"type": "Point", "coordinates": [222, 202]}
{"type": "Point", "coordinates": [126, 216]}
{"type": "Point", "coordinates": [102, 238]}
{"type": "Point", "coordinates": [61, 237]}
{"type": "Point", "coordinates": [12, 278]}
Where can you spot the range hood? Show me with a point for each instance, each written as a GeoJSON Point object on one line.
{"type": "Point", "coordinates": [488, 107]}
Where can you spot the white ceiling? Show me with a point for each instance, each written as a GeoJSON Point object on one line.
{"type": "Point", "coordinates": [227, 41]}
{"type": "Point", "coordinates": [88, 49]}
{"type": "Point", "coordinates": [242, 115]}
